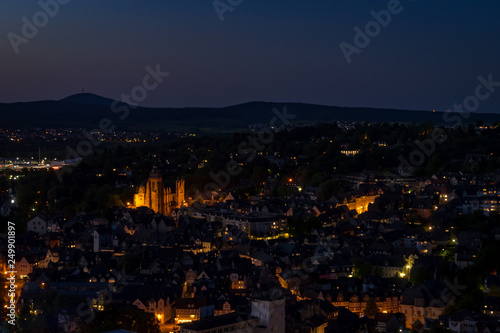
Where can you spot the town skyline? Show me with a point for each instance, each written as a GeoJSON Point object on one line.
{"type": "Point", "coordinates": [249, 166]}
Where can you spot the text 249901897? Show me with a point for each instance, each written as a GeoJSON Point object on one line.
{"type": "Point", "coordinates": [11, 273]}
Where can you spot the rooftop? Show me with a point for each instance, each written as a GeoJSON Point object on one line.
{"type": "Point", "coordinates": [218, 321]}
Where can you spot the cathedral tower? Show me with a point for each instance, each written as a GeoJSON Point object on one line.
{"type": "Point", "coordinates": [154, 195]}
{"type": "Point", "coordinates": [179, 190]}
{"type": "Point", "coordinates": [155, 191]}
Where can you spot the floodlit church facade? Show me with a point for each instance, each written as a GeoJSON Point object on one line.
{"type": "Point", "coordinates": [154, 195]}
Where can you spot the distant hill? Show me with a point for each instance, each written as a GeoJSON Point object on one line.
{"type": "Point", "coordinates": [86, 110]}
{"type": "Point", "coordinates": [87, 98]}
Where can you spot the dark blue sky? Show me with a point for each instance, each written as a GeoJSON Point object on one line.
{"type": "Point", "coordinates": [428, 57]}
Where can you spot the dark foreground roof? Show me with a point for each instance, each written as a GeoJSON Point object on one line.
{"type": "Point", "coordinates": [217, 321]}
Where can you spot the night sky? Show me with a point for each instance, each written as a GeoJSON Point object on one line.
{"type": "Point", "coordinates": [428, 57]}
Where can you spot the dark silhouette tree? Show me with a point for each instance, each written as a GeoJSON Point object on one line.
{"type": "Point", "coordinates": [371, 308]}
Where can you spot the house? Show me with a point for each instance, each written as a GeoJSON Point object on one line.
{"type": "Point", "coordinates": [257, 224]}
{"type": "Point", "coordinates": [49, 257]}
{"type": "Point", "coordinates": [38, 224]}
{"type": "Point", "coordinates": [222, 308]}
{"type": "Point", "coordinates": [162, 309]}
{"type": "Point", "coordinates": [328, 311]}
{"type": "Point", "coordinates": [423, 208]}
{"type": "Point", "coordinates": [232, 322]}
{"type": "Point", "coordinates": [24, 267]}
{"type": "Point", "coordinates": [271, 314]}
{"type": "Point", "coordinates": [492, 306]}
{"type": "Point", "coordinates": [425, 301]}
{"type": "Point", "coordinates": [192, 309]}
{"type": "Point", "coordinates": [463, 260]}
{"type": "Point", "coordinates": [487, 325]}
{"type": "Point", "coordinates": [390, 322]}
{"type": "Point", "coordinates": [463, 321]}
{"type": "Point", "coordinates": [314, 324]}
{"type": "Point", "coordinates": [390, 265]}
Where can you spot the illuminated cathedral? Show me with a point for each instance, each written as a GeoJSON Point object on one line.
{"type": "Point", "coordinates": [154, 195]}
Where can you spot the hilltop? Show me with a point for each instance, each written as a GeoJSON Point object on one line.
{"type": "Point", "coordinates": [86, 110]}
